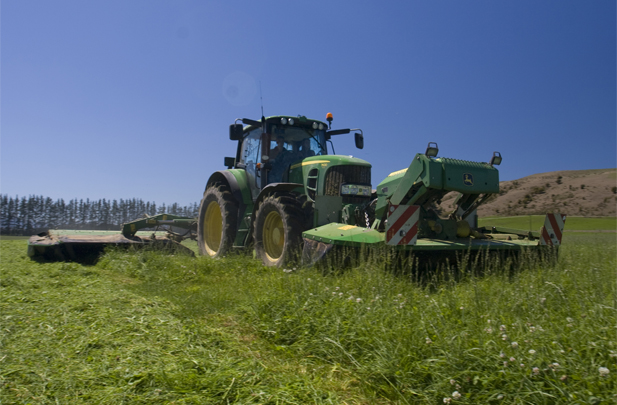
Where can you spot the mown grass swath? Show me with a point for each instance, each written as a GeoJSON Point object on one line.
{"type": "Point", "coordinates": [144, 327]}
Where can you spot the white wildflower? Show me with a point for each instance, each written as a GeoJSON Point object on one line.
{"type": "Point", "coordinates": [514, 345]}
{"type": "Point", "coordinates": [452, 382]}
{"type": "Point", "coordinates": [358, 299]}
{"type": "Point", "coordinates": [500, 396]}
{"type": "Point", "coordinates": [502, 354]}
{"type": "Point", "coordinates": [532, 352]}
{"type": "Point", "coordinates": [502, 328]}
{"type": "Point", "coordinates": [536, 370]}
{"type": "Point", "coordinates": [428, 341]}
{"type": "Point", "coordinates": [447, 400]}
{"type": "Point", "coordinates": [504, 337]}
{"type": "Point", "coordinates": [456, 395]}
{"type": "Point", "coordinates": [512, 359]}
{"type": "Point", "coordinates": [603, 371]}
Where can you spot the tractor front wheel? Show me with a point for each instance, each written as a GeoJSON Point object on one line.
{"type": "Point", "coordinates": [279, 224]}
{"type": "Point", "coordinates": [217, 224]}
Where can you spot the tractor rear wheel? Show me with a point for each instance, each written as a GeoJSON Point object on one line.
{"type": "Point", "coordinates": [279, 224]}
{"type": "Point", "coordinates": [217, 224]}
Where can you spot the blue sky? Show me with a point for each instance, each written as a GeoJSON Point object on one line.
{"type": "Point", "coordinates": [122, 99]}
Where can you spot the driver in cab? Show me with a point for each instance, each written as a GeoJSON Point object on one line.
{"type": "Point", "coordinates": [306, 150]}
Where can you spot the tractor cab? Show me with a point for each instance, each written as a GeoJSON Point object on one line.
{"type": "Point", "coordinates": [268, 148]}
{"type": "Point", "coordinates": [281, 182]}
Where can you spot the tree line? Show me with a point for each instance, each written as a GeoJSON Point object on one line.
{"type": "Point", "coordinates": [34, 214]}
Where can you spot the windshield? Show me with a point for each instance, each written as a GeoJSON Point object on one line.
{"type": "Point", "coordinates": [303, 141]}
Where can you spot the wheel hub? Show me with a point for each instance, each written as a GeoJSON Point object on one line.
{"type": "Point", "coordinates": [273, 236]}
{"type": "Point", "coordinates": [213, 228]}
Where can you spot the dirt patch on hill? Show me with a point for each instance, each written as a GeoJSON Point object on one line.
{"type": "Point", "coordinates": [573, 192]}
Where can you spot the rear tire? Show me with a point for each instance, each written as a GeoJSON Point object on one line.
{"type": "Point", "coordinates": [217, 224]}
{"type": "Point", "coordinates": [279, 224]}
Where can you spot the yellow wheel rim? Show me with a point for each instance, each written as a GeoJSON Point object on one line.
{"type": "Point", "coordinates": [213, 228]}
{"type": "Point", "coordinates": [273, 236]}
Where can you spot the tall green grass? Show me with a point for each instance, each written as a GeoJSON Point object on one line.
{"type": "Point", "coordinates": [146, 327]}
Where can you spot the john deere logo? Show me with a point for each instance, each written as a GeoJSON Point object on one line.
{"type": "Point", "coordinates": [467, 179]}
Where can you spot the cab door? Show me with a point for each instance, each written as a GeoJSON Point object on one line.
{"type": "Point", "coordinates": [251, 157]}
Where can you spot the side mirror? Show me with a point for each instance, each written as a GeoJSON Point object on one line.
{"type": "Point", "coordinates": [359, 138]}
{"type": "Point", "coordinates": [236, 132]}
{"type": "Point", "coordinates": [230, 162]}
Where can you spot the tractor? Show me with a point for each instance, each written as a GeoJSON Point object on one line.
{"type": "Point", "coordinates": [281, 182]}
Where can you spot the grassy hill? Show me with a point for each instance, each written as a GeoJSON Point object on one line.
{"type": "Point", "coordinates": [586, 193]}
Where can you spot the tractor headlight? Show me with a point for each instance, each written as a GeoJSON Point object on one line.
{"type": "Point", "coordinates": [291, 121]}
{"type": "Point", "coordinates": [284, 121]}
{"type": "Point", "coordinates": [355, 189]}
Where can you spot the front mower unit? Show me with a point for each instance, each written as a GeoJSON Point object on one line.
{"type": "Point", "coordinates": [407, 219]}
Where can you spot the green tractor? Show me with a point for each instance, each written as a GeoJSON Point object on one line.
{"type": "Point", "coordinates": [281, 182]}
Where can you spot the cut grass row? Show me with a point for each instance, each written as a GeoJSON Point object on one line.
{"type": "Point", "coordinates": [535, 222]}
{"type": "Point", "coordinates": [148, 328]}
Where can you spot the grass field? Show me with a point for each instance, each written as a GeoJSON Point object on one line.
{"type": "Point", "coordinates": [145, 327]}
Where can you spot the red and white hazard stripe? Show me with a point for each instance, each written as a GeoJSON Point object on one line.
{"type": "Point", "coordinates": [402, 225]}
{"type": "Point", "coordinates": [552, 231]}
